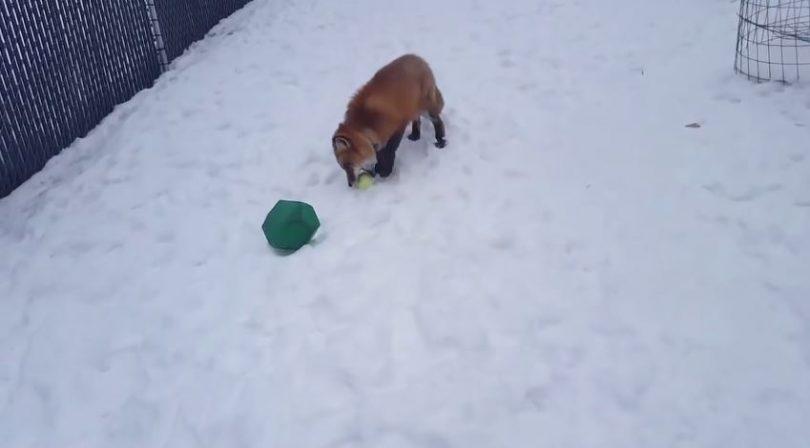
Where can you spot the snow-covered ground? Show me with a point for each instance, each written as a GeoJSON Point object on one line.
{"type": "Point", "coordinates": [576, 269]}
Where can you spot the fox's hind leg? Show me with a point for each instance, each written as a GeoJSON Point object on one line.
{"type": "Point", "coordinates": [438, 126]}
{"type": "Point", "coordinates": [416, 132]}
{"type": "Point", "coordinates": [386, 156]}
{"type": "Point", "coordinates": [435, 106]}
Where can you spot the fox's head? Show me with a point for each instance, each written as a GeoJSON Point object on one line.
{"type": "Point", "coordinates": [354, 152]}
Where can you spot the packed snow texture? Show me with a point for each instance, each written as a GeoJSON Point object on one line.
{"type": "Point", "coordinates": [576, 269]}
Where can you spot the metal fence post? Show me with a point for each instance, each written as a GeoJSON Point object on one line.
{"type": "Point", "coordinates": [160, 46]}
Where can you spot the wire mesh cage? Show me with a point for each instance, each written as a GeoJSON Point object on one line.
{"type": "Point", "coordinates": [773, 40]}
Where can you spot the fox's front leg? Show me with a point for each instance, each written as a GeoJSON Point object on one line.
{"type": "Point", "coordinates": [386, 156]}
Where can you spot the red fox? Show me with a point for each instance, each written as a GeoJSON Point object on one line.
{"type": "Point", "coordinates": [379, 112]}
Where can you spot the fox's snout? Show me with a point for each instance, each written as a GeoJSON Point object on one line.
{"type": "Point", "coordinates": [350, 177]}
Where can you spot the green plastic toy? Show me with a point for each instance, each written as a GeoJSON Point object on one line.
{"type": "Point", "coordinates": [290, 225]}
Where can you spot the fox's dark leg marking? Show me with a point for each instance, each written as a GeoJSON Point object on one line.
{"type": "Point", "coordinates": [386, 156]}
{"type": "Point", "coordinates": [438, 125]}
{"type": "Point", "coordinates": [416, 132]}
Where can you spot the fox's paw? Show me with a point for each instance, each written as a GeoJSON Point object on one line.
{"type": "Point", "coordinates": [441, 143]}
{"type": "Point", "coordinates": [383, 171]}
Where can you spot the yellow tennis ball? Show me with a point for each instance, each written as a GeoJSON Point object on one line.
{"type": "Point", "coordinates": [365, 181]}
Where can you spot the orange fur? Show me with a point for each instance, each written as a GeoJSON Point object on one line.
{"type": "Point", "coordinates": [394, 97]}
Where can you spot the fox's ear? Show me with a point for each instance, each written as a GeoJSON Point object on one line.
{"type": "Point", "coordinates": [340, 144]}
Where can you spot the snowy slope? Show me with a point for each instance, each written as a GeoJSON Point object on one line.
{"type": "Point", "coordinates": [576, 269]}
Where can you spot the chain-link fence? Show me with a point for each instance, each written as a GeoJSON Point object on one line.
{"type": "Point", "coordinates": [64, 65]}
{"type": "Point", "coordinates": [185, 21]}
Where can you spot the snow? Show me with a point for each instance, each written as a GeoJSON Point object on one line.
{"type": "Point", "coordinates": [576, 269]}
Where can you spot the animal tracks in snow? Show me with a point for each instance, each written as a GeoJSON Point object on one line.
{"type": "Point", "coordinates": [746, 195]}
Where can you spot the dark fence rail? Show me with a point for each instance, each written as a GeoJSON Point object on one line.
{"type": "Point", "coordinates": [64, 65]}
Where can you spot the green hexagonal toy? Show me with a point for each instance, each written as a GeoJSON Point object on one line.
{"type": "Point", "coordinates": [290, 225]}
